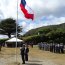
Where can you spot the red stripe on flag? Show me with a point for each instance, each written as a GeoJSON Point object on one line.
{"type": "Point", "coordinates": [27, 15]}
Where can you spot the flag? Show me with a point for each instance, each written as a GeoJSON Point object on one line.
{"type": "Point", "coordinates": [26, 10]}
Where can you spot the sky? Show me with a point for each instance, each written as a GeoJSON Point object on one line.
{"type": "Point", "coordinates": [46, 12]}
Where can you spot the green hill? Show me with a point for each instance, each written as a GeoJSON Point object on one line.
{"type": "Point", "coordinates": [45, 29]}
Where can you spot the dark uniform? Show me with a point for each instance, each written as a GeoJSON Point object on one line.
{"type": "Point", "coordinates": [61, 48]}
{"type": "Point", "coordinates": [54, 48]}
{"type": "Point", "coordinates": [51, 47]}
{"type": "Point", "coordinates": [40, 46]}
{"type": "Point", "coordinates": [57, 48]}
{"type": "Point", "coordinates": [26, 53]}
{"type": "Point", "coordinates": [23, 54]}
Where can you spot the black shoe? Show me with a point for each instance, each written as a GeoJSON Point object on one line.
{"type": "Point", "coordinates": [23, 63]}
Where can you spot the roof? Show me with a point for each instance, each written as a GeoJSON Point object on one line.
{"type": "Point", "coordinates": [14, 40]}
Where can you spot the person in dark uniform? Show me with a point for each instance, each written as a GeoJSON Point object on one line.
{"type": "Point", "coordinates": [26, 52]}
{"type": "Point", "coordinates": [58, 48]}
{"type": "Point", "coordinates": [22, 49]}
{"type": "Point", "coordinates": [40, 46]}
{"type": "Point", "coordinates": [53, 47]}
{"type": "Point", "coordinates": [61, 48]}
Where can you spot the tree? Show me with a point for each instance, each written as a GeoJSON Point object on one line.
{"type": "Point", "coordinates": [44, 31]}
{"type": "Point", "coordinates": [8, 27]}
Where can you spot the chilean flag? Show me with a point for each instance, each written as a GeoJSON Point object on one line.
{"type": "Point", "coordinates": [26, 10]}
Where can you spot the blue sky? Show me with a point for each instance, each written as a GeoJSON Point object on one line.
{"type": "Point", "coordinates": [47, 12]}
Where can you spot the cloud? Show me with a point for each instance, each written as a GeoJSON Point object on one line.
{"type": "Point", "coordinates": [3, 36]}
{"type": "Point", "coordinates": [40, 8]}
{"type": "Point", "coordinates": [23, 24]}
{"type": "Point", "coordinates": [44, 21]}
{"type": "Point", "coordinates": [47, 12]}
{"type": "Point", "coordinates": [47, 7]}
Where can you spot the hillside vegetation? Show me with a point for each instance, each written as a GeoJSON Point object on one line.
{"type": "Point", "coordinates": [51, 33]}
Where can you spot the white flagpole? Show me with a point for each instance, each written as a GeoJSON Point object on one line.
{"type": "Point", "coordinates": [16, 30]}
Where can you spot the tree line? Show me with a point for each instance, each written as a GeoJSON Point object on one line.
{"type": "Point", "coordinates": [50, 34]}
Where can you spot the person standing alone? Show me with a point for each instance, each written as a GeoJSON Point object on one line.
{"type": "Point", "coordinates": [26, 52]}
{"type": "Point", "coordinates": [22, 49]}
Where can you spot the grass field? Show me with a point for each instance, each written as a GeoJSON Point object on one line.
{"type": "Point", "coordinates": [55, 57]}
{"type": "Point", "coordinates": [34, 52]}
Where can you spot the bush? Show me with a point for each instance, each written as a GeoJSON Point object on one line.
{"type": "Point", "coordinates": [2, 42]}
{"type": "Point", "coordinates": [35, 39]}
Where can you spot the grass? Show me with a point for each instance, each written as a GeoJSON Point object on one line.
{"type": "Point", "coordinates": [15, 63]}
{"type": "Point", "coordinates": [35, 53]}
{"type": "Point", "coordinates": [55, 57]}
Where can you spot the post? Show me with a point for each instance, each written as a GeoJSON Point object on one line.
{"type": "Point", "coordinates": [16, 30]}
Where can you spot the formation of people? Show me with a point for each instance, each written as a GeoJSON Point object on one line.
{"type": "Point", "coordinates": [24, 53]}
{"type": "Point", "coordinates": [52, 47]}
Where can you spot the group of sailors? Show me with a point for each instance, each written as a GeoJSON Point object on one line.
{"type": "Point", "coordinates": [52, 47]}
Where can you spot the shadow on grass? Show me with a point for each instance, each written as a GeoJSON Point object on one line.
{"type": "Point", "coordinates": [34, 61]}
{"type": "Point", "coordinates": [33, 64]}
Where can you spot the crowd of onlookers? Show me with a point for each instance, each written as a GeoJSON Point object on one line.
{"type": "Point", "coordinates": [52, 47]}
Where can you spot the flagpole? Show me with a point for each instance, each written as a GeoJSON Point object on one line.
{"type": "Point", "coordinates": [16, 30]}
